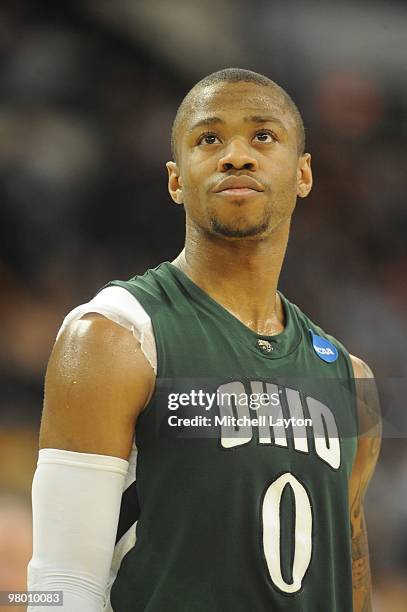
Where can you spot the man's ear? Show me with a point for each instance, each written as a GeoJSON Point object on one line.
{"type": "Point", "coordinates": [304, 175]}
{"type": "Point", "coordinates": [174, 182]}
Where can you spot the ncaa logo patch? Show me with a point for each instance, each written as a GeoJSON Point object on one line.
{"type": "Point", "coordinates": [323, 348]}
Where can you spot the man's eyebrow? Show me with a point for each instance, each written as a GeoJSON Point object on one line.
{"type": "Point", "coordinates": [264, 119]}
{"type": "Point", "coordinates": [206, 121]}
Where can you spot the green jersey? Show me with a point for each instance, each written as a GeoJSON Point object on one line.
{"type": "Point", "coordinates": [240, 498]}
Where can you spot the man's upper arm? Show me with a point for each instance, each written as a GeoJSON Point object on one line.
{"type": "Point", "coordinates": [97, 382]}
{"type": "Point", "coordinates": [365, 462]}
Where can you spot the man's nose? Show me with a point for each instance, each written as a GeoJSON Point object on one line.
{"type": "Point", "coordinates": [237, 156]}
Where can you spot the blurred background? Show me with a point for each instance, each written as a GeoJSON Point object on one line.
{"type": "Point", "coordinates": [88, 91]}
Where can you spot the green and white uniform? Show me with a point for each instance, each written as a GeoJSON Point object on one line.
{"type": "Point", "coordinates": [246, 511]}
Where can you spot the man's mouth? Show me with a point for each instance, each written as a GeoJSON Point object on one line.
{"type": "Point", "coordinates": [243, 185]}
{"type": "Point", "coordinates": [238, 191]}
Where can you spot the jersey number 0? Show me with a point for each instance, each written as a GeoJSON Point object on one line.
{"type": "Point", "coordinates": [302, 532]}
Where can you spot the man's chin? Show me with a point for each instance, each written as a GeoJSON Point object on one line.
{"type": "Point", "coordinates": [228, 230]}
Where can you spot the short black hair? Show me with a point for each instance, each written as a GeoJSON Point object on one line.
{"type": "Point", "coordinates": [235, 75]}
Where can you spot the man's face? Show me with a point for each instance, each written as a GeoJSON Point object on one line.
{"type": "Point", "coordinates": [239, 172]}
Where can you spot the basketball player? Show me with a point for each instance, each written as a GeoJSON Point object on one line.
{"type": "Point", "coordinates": [139, 503]}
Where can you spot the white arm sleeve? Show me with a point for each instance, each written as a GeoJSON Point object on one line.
{"type": "Point", "coordinates": [122, 307]}
{"type": "Point", "coordinates": [76, 503]}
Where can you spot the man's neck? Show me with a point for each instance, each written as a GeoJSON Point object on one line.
{"type": "Point", "coordinates": [240, 275]}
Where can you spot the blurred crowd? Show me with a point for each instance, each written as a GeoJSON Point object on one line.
{"type": "Point", "coordinates": [85, 119]}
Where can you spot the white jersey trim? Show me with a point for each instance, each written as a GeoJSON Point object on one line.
{"type": "Point", "coordinates": [128, 539]}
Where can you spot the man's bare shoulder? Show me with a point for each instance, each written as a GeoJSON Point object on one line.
{"type": "Point", "coordinates": [360, 368]}
{"type": "Point", "coordinates": [97, 382]}
{"type": "Point", "coordinates": [367, 398]}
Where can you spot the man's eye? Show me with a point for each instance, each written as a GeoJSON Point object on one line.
{"type": "Point", "coordinates": [265, 137]}
{"type": "Point", "coordinates": [208, 139]}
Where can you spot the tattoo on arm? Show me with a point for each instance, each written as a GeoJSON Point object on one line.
{"type": "Point", "coordinates": [361, 578]}
{"type": "Point", "coordinates": [360, 561]}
